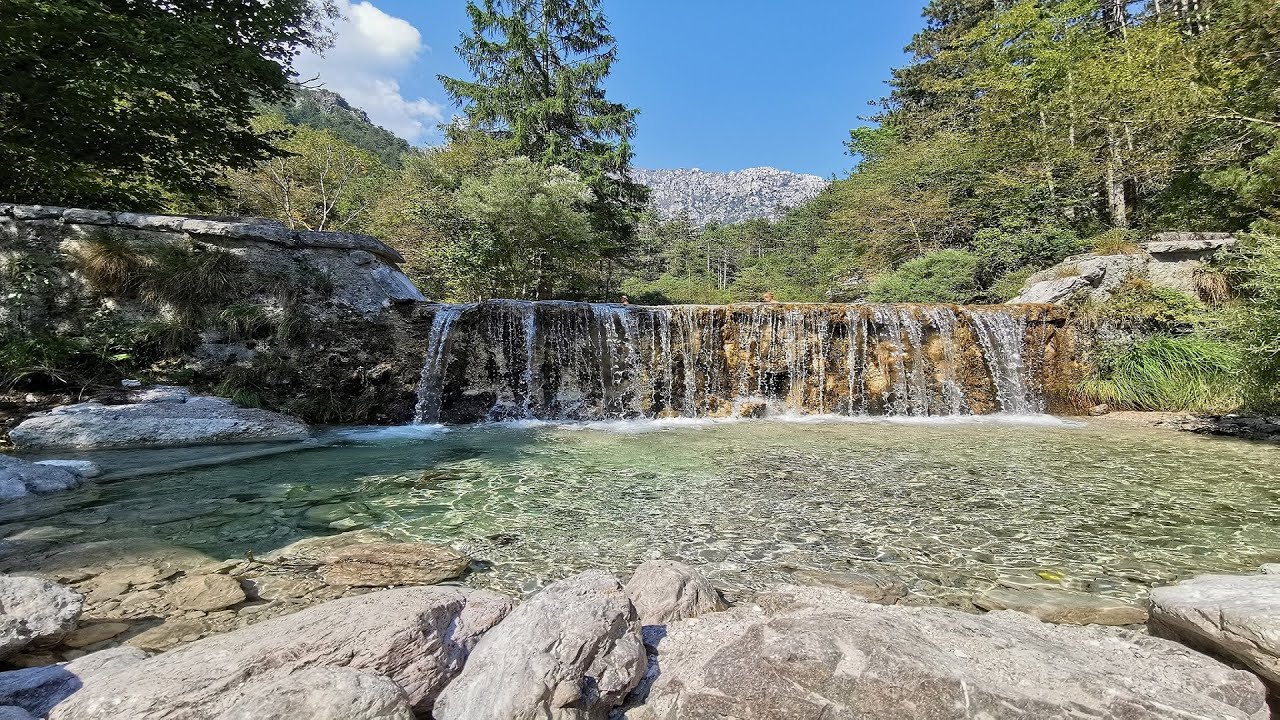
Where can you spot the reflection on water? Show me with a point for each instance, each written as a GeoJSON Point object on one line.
{"type": "Point", "coordinates": [948, 508]}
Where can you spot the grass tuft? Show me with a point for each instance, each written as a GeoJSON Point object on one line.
{"type": "Point", "coordinates": [1189, 373]}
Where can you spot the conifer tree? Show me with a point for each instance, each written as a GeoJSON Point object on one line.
{"type": "Point", "coordinates": [539, 68]}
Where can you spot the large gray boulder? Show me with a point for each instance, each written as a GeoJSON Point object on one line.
{"type": "Point", "coordinates": [37, 690]}
{"type": "Point", "coordinates": [573, 651]}
{"type": "Point", "coordinates": [19, 478]}
{"type": "Point", "coordinates": [1051, 291]}
{"type": "Point", "coordinates": [815, 653]}
{"type": "Point", "coordinates": [33, 610]}
{"type": "Point", "coordinates": [321, 693]}
{"type": "Point", "coordinates": [188, 421]}
{"type": "Point", "coordinates": [664, 591]}
{"type": "Point", "coordinates": [418, 637]}
{"type": "Point", "coordinates": [1232, 616]}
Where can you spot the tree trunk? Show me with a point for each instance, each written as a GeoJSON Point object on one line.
{"type": "Point", "coordinates": [1117, 198]}
{"type": "Point", "coordinates": [1115, 17]}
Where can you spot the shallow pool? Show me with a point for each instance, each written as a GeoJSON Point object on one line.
{"type": "Point", "coordinates": [949, 507]}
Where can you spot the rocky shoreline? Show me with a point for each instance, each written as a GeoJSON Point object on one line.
{"type": "Point", "coordinates": [353, 626]}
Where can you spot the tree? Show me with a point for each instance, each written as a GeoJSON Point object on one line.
{"type": "Point", "coordinates": [317, 181]}
{"type": "Point", "coordinates": [114, 102]}
{"type": "Point", "coordinates": [539, 69]}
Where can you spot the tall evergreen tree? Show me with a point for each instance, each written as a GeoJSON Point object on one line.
{"type": "Point", "coordinates": [539, 68]}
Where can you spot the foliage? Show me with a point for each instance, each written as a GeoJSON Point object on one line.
{"type": "Point", "coordinates": [1138, 305]}
{"type": "Point", "coordinates": [317, 181]}
{"type": "Point", "coordinates": [1255, 324]}
{"type": "Point", "coordinates": [1165, 372]}
{"type": "Point", "coordinates": [110, 262]}
{"type": "Point", "coordinates": [945, 276]}
{"type": "Point", "coordinates": [112, 104]}
{"type": "Point", "coordinates": [1116, 241]}
{"type": "Point", "coordinates": [539, 68]}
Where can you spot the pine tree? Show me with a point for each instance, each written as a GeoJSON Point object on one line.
{"type": "Point", "coordinates": [539, 69]}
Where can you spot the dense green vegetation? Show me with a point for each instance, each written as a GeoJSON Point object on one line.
{"type": "Point", "coordinates": [1021, 133]}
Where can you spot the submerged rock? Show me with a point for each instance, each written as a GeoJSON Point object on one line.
{"type": "Point", "coordinates": [826, 655]}
{"type": "Point", "coordinates": [571, 651]}
{"type": "Point", "coordinates": [321, 693]}
{"type": "Point", "coordinates": [206, 593]}
{"type": "Point", "coordinates": [417, 637]}
{"type": "Point", "coordinates": [19, 478]}
{"type": "Point", "coordinates": [33, 610]}
{"type": "Point", "coordinates": [664, 591]}
{"type": "Point", "coordinates": [1236, 617]}
{"type": "Point", "coordinates": [154, 423]}
{"type": "Point", "coordinates": [872, 588]}
{"type": "Point", "coordinates": [389, 564]}
{"type": "Point", "coordinates": [1063, 607]}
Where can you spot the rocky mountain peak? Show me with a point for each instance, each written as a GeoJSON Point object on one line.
{"type": "Point", "coordinates": [760, 192]}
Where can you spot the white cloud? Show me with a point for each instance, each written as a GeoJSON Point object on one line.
{"type": "Point", "coordinates": [371, 52]}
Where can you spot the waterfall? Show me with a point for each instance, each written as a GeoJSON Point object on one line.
{"type": "Point", "coordinates": [500, 360]}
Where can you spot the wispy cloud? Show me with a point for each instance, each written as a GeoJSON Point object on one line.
{"type": "Point", "coordinates": [371, 52]}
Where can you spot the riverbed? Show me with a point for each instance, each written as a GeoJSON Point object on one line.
{"type": "Point", "coordinates": [951, 507]}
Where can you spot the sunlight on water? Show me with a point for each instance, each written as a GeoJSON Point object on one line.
{"type": "Point", "coordinates": [949, 506]}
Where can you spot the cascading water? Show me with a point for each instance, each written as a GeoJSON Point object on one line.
{"type": "Point", "coordinates": [502, 360]}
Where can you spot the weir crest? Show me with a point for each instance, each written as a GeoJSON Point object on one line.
{"type": "Point", "coordinates": [506, 360]}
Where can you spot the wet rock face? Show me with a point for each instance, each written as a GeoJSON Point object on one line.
{"type": "Point", "coordinates": [19, 478]}
{"type": "Point", "coordinates": [556, 360]}
{"type": "Point", "coordinates": [821, 654]}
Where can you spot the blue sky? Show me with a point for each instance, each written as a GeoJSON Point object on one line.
{"type": "Point", "coordinates": [721, 85]}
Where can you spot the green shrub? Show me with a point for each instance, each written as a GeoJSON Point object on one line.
{"type": "Point", "coordinates": [1254, 271]}
{"type": "Point", "coordinates": [1116, 241]}
{"type": "Point", "coordinates": [1008, 285]}
{"type": "Point", "coordinates": [1001, 251]}
{"type": "Point", "coordinates": [1163, 372]}
{"type": "Point", "coordinates": [671, 290]}
{"type": "Point", "coordinates": [945, 276]}
{"type": "Point", "coordinates": [1139, 305]}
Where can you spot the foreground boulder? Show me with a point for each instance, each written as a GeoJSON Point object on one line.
{"type": "Point", "coordinates": [37, 690]}
{"type": "Point", "coordinates": [571, 651]}
{"type": "Point", "coordinates": [664, 591]}
{"type": "Point", "coordinates": [416, 637]}
{"type": "Point", "coordinates": [1236, 617]}
{"type": "Point", "coordinates": [19, 478]}
{"type": "Point", "coordinates": [33, 610]}
{"type": "Point", "coordinates": [176, 421]}
{"type": "Point", "coordinates": [321, 693]}
{"type": "Point", "coordinates": [820, 654]}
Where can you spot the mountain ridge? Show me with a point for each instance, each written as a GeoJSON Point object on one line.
{"type": "Point", "coordinates": [727, 197]}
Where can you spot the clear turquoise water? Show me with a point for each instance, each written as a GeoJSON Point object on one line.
{"type": "Point", "coordinates": [949, 507]}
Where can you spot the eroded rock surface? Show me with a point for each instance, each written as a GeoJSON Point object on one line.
{"type": "Point", "coordinates": [665, 590]}
{"type": "Point", "coordinates": [827, 656]}
{"type": "Point", "coordinates": [571, 651]}
{"type": "Point", "coordinates": [190, 421]}
{"type": "Point", "coordinates": [33, 610]}
{"type": "Point", "coordinates": [872, 588]}
{"type": "Point", "coordinates": [37, 690]}
{"type": "Point", "coordinates": [321, 693]}
{"type": "Point", "coordinates": [417, 637]}
{"type": "Point", "coordinates": [1233, 616]}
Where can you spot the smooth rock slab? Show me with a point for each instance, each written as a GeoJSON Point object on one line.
{"type": "Point", "coordinates": [664, 591]}
{"type": "Point", "coordinates": [1233, 616]}
{"type": "Point", "coordinates": [195, 421]}
{"type": "Point", "coordinates": [389, 564]}
{"type": "Point", "coordinates": [872, 588]}
{"type": "Point", "coordinates": [417, 637]}
{"type": "Point", "coordinates": [831, 657]}
{"type": "Point", "coordinates": [35, 610]}
{"type": "Point", "coordinates": [37, 690]}
{"type": "Point", "coordinates": [571, 651]}
{"type": "Point", "coordinates": [321, 693]}
{"type": "Point", "coordinates": [1063, 607]}
{"type": "Point", "coordinates": [206, 593]}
